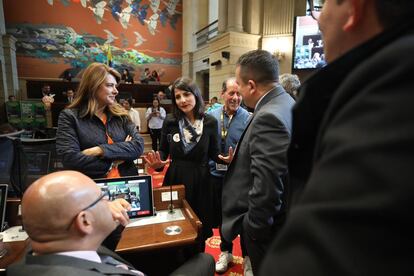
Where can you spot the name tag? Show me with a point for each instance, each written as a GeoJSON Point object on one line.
{"type": "Point", "coordinates": [221, 167]}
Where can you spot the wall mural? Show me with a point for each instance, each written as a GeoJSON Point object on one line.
{"type": "Point", "coordinates": [126, 34]}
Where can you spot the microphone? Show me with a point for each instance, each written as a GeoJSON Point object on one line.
{"type": "Point", "coordinates": [171, 206]}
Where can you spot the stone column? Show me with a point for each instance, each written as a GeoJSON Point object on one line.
{"type": "Point", "coordinates": [222, 20]}
{"type": "Point", "coordinates": [9, 51]}
{"type": "Point", "coordinates": [235, 16]}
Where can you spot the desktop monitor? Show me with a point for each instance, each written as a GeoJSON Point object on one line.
{"type": "Point", "coordinates": [137, 190]}
{"type": "Point", "coordinates": [308, 48]}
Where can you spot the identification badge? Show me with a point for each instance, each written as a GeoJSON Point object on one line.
{"type": "Point", "coordinates": [221, 167]}
{"type": "Point", "coordinates": [176, 138]}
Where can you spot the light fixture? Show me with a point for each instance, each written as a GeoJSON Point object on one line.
{"type": "Point", "coordinates": [279, 54]}
{"type": "Point", "coordinates": [278, 46]}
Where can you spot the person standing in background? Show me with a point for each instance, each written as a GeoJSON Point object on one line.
{"type": "Point", "coordinates": [291, 84]}
{"type": "Point", "coordinates": [95, 134]}
{"type": "Point", "coordinates": [133, 114]}
{"type": "Point", "coordinates": [189, 137]}
{"type": "Point", "coordinates": [70, 96]}
{"type": "Point", "coordinates": [256, 183]}
{"type": "Point", "coordinates": [126, 77]}
{"type": "Point", "coordinates": [155, 116]}
{"type": "Point", "coordinates": [232, 120]}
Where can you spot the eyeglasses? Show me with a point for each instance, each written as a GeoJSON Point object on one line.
{"type": "Point", "coordinates": [102, 196]}
{"type": "Point", "coordinates": [315, 7]}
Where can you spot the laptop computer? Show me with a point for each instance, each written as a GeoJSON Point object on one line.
{"type": "Point", "coordinates": [137, 190]}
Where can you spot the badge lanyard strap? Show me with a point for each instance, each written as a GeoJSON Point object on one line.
{"type": "Point", "coordinates": [224, 130]}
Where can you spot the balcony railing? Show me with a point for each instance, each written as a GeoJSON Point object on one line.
{"type": "Point", "coordinates": [207, 33]}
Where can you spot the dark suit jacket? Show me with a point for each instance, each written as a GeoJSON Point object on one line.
{"type": "Point", "coordinates": [66, 266]}
{"type": "Point", "coordinates": [351, 163]}
{"type": "Point", "coordinates": [60, 265]}
{"type": "Point", "coordinates": [254, 184]}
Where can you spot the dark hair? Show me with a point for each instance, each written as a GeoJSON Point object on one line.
{"type": "Point", "coordinates": [394, 12]}
{"type": "Point", "coordinates": [259, 66]}
{"type": "Point", "coordinates": [129, 100]}
{"type": "Point", "coordinates": [156, 99]}
{"type": "Point", "coordinates": [186, 84]}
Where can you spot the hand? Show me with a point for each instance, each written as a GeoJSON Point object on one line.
{"type": "Point", "coordinates": [227, 159]}
{"type": "Point", "coordinates": [153, 160]}
{"type": "Point", "coordinates": [128, 138]}
{"type": "Point", "coordinates": [94, 151]}
{"type": "Point", "coordinates": [119, 208]}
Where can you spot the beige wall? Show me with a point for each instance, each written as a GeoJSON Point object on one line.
{"type": "Point", "coordinates": [267, 24]}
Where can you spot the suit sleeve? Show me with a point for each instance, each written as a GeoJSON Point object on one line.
{"type": "Point", "coordinates": [67, 146]}
{"type": "Point", "coordinates": [130, 150]}
{"type": "Point", "coordinates": [268, 145]}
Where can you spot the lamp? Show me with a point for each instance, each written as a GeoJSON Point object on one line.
{"type": "Point", "coordinates": [279, 54]}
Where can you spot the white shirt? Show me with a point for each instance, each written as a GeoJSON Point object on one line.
{"type": "Point", "coordinates": [155, 122]}
{"type": "Point", "coordinates": [85, 255]}
{"type": "Point", "coordinates": [135, 117]}
{"type": "Point", "coordinates": [261, 98]}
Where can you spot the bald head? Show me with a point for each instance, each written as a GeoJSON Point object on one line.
{"type": "Point", "coordinates": [53, 215]}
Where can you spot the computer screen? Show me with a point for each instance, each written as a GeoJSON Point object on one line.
{"type": "Point", "coordinates": [137, 190]}
{"type": "Point", "coordinates": [308, 49]}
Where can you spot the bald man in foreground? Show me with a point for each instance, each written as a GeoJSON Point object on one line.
{"type": "Point", "coordinates": [67, 218]}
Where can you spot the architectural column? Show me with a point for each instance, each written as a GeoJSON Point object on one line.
{"type": "Point", "coordinates": [3, 80]}
{"type": "Point", "coordinates": [222, 20]}
{"type": "Point", "coordinates": [235, 16]}
{"type": "Point", "coordinates": [10, 66]}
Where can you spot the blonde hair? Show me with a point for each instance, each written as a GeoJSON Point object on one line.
{"type": "Point", "coordinates": [92, 78]}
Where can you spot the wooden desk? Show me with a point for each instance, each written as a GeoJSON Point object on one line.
{"type": "Point", "coordinates": [15, 252]}
{"type": "Point", "coordinates": [134, 239]}
{"type": "Point", "coordinates": [151, 237]}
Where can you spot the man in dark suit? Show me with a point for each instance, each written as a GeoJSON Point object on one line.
{"type": "Point", "coordinates": [351, 157]}
{"type": "Point", "coordinates": [255, 184]}
{"type": "Point", "coordinates": [70, 95]}
{"type": "Point", "coordinates": [67, 217]}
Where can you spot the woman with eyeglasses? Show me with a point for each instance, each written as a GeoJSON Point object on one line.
{"type": "Point", "coordinates": [95, 134]}
{"type": "Point", "coordinates": [189, 138]}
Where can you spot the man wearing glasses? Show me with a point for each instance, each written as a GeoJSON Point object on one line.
{"type": "Point", "coordinates": [351, 154]}
{"type": "Point", "coordinates": [67, 217]}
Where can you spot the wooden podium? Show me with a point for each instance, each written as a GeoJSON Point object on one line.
{"type": "Point", "coordinates": [151, 237]}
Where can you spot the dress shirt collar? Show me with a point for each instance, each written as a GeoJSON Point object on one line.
{"type": "Point", "coordinates": [261, 98]}
{"type": "Point", "coordinates": [85, 255]}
